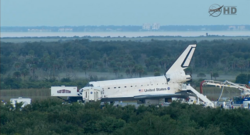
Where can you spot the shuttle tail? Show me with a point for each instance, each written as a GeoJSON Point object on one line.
{"type": "Point", "coordinates": [183, 61]}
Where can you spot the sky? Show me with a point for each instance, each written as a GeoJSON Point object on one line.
{"type": "Point", "coordinates": [119, 12]}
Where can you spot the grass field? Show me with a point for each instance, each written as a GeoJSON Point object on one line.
{"type": "Point", "coordinates": [34, 94]}
{"type": "Point", "coordinates": [213, 93]}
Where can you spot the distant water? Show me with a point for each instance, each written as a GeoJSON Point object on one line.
{"type": "Point", "coordinates": [126, 34]}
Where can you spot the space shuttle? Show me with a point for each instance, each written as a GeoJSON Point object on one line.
{"type": "Point", "coordinates": [145, 90]}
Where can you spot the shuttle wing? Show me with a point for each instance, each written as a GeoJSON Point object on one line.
{"type": "Point", "coordinates": [148, 96]}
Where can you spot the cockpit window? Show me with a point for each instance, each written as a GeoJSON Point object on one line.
{"type": "Point", "coordinates": [89, 85]}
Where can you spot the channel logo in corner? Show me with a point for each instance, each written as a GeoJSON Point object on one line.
{"type": "Point", "coordinates": [215, 10]}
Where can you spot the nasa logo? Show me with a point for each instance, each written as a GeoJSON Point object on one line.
{"type": "Point", "coordinates": [63, 91]}
{"type": "Point", "coordinates": [91, 92]}
{"type": "Point", "coordinates": [215, 10]}
{"type": "Point", "coordinates": [168, 88]}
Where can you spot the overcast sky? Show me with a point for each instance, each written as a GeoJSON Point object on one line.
{"type": "Point", "coordinates": [119, 12]}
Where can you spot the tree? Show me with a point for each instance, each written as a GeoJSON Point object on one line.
{"type": "Point", "coordinates": [201, 75]}
{"type": "Point", "coordinates": [130, 65]}
{"type": "Point", "coordinates": [17, 65]}
{"type": "Point", "coordinates": [33, 69]}
{"type": "Point", "coordinates": [31, 53]}
{"type": "Point", "coordinates": [164, 61]}
{"type": "Point", "coordinates": [157, 73]}
{"type": "Point", "coordinates": [65, 80]}
{"type": "Point", "coordinates": [110, 124]}
{"type": "Point", "coordinates": [25, 72]}
{"type": "Point", "coordinates": [211, 75]}
{"type": "Point", "coordinates": [241, 64]}
{"type": "Point", "coordinates": [189, 71]}
{"type": "Point", "coordinates": [105, 60]}
{"type": "Point", "coordinates": [127, 71]}
{"type": "Point", "coordinates": [242, 78]}
{"type": "Point", "coordinates": [85, 66]}
{"type": "Point", "coordinates": [17, 74]}
{"type": "Point", "coordinates": [115, 70]}
{"type": "Point", "coordinates": [139, 70]}
{"type": "Point", "coordinates": [4, 68]}
{"type": "Point", "coordinates": [215, 75]}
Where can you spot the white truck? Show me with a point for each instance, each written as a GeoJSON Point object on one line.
{"type": "Point", "coordinates": [246, 104]}
{"type": "Point", "coordinates": [85, 94]}
{"type": "Point", "coordinates": [25, 101]}
{"type": "Point", "coordinates": [91, 93]}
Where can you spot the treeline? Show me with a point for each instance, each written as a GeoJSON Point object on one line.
{"type": "Point", "coordinates": [53, 118]}
{"type": "Point", "coordinates": [46, 60]}
{"type": "Point", "coordinates": [17, 83]}
{"type": "Point", "coordinates": [125, 28]}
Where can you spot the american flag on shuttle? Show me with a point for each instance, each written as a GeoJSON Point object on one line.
{"type": "Point", "coordinates": [140, 90]}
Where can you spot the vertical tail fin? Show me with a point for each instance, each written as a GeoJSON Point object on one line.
{"type": "Point", "coordinates": [184, 60]}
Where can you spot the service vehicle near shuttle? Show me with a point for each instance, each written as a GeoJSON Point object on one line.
{"type": "Point", "coordinates": [70, 92]}
{"type": "Point", "coordinates": [148, 90]}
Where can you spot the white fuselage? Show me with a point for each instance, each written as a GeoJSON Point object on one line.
{"type": "Point", "coordinates": [148, 87]}
{"type": "Point", "coordinates": [137, 86]}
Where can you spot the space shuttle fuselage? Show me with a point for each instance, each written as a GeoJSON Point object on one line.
{"type": "Point", "coordinates": [168, 85]}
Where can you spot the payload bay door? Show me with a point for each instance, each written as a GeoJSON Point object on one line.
{"type": "Point", "coordinates": [91, 94]}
